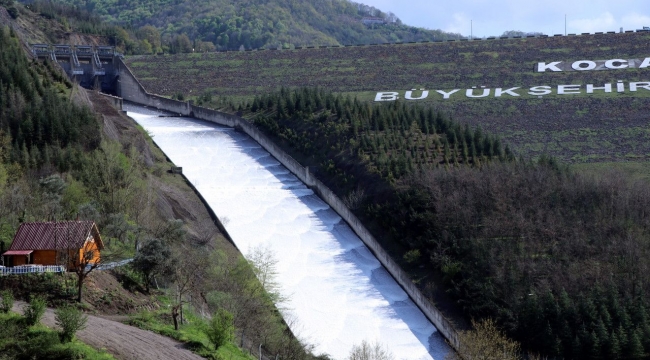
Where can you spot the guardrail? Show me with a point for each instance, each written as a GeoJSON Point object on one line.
{"type": "Point", "coordinates": [111, 265]}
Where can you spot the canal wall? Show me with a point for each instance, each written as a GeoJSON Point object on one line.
{"type": "Point", "coordinates": [130, 89]}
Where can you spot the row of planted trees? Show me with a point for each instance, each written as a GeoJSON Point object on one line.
{"type": "Point", "coordinates": [339, 134]}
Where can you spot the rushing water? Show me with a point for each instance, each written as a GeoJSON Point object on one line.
{"type": "Point", "coordinates": [339, 294]}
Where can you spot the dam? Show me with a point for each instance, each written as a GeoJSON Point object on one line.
{"type": "Point", "coordinates": [338, 293]}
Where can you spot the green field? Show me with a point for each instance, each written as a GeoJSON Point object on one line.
{"type": "Point", "coordinates": [597, 127]}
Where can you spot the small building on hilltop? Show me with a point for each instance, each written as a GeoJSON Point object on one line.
{"type": "Point", "coordinates": [68, 243]}
{"type": "Point", "coordinates": [372, 20]}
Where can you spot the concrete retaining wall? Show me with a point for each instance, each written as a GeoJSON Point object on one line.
{"type": "Point", "coordinates": [132, 90]}
{"type": "Point", "coordinates": [114, 100]}
{"type": "Point", "coordinates": [129, 88]}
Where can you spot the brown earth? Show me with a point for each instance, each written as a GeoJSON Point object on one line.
{"type": "Point", "coordinates": [122, 341]}
{"type": "Point", "coordinates": [33, 28]}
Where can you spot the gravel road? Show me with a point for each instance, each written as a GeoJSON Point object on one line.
{"type": "Point", "coordinates": [123, 341]}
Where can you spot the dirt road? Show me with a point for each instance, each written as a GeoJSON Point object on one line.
{"type": "Point", "coordinates": [123, 341]}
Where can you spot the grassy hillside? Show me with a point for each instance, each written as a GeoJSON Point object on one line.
{"type": "Point", "coordinates": [576, 128]}
{"type": "Point", "coordinates": [257, 24]}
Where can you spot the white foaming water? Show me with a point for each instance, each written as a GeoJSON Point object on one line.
{"type": "Point", "coordinates": [339, 294]}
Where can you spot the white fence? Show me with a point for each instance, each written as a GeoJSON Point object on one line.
{"type": "Point", "coordinates": [28, 269]}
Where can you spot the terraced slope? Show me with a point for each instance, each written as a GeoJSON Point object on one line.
{"type": "Point", "coordinates": [576, 127]}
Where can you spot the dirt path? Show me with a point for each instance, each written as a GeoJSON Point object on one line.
{"type": "Point", "coordinates": [123, 341]}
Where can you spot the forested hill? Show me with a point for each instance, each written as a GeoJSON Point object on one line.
{"type": "Point", "coordinates": [259, 23]}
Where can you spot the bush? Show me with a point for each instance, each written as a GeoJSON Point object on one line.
{"type": "Point", "coordinates": [35, 310]}
{"type": "Point", "coordinates": [13, 12]}
{"type": "Point", "coordinates": [412, 256]}
{"type": "Point", "coordinates": [220, 329]}
{"type": "Point", "coordinates": [38, 344]}
{"type": "Point", "coordinates": [367, 351]}
{"type": "Point", "coordinates": [71, 320]}
{"type": "Point", "coordinates": [7, 301]}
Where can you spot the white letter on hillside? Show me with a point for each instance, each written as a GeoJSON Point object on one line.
{"type": "Point", "coordinates": [568, 89]}
{"type": "Point", "coordinates": [642, 85]}
{"type": "Point", "coordinates": [542, 67]}
{"type": "Point", "coordinates": [498, 92]}
{"type": "Point", "coordinates": [386, 96]}
{"type": "Point", "coordinates": [645, 63]}
{"type": "Point", "coordinates": [590, 65]}
{"type": "Point", "coordinates": [470, 93]}
{"type": "Point", "coordinates": [610, 64]}
{"type": "Point", "coordinates": [409, 95]}
{"type": "Point", "coordinates": [446, 95]}
{"type": "Point", "coordinates": [591, 88]}
{"type": "Point", "coordinates": [539, 90]}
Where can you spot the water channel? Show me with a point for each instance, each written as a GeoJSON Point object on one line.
{"type": "Point", "coordinates": [339, 294]}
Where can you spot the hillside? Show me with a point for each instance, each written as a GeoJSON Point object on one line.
{"type": "Point", "coordinates": [259, 24]}
{"type": "Point", "coordinates": [576, 128]}
{"type": "Point", "coordinates": [67, 153]}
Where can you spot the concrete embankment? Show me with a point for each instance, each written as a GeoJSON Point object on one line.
{"type": "Point", "coordinates": [130, 89]}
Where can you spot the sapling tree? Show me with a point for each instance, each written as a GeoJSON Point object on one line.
{"type": "Point", "coordinates": [220, 329]}
{"type": "Point", "coordinates": [70, 319]}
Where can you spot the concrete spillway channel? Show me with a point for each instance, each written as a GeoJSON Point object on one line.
{"type": "Point", "coordinates": [339, 294]}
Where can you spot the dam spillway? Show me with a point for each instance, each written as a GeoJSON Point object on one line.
{"type": "Point", "coordinates": [337, 291]}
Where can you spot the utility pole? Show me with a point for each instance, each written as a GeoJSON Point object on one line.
{"type": "Point", "coordinates": [564, 24]}
{"type": "Point", "coordinates": [471, 29]}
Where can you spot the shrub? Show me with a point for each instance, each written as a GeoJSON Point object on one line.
{"type": "Point", "coordinates": [368, 351]}
{"type": "Point", "coordinates": [35, 310]}
{"type": "Point", "coordinates": [13, 12]}
{"type": "Point", "coordinates": [71, 320]}
{"type": "Point", "coordinates": [7, 301]}
{"type": "Point", "coordinates": [220, 329]}
{"type": "Point", "coordinates": [412, 256]}
{"type": "Point", "coordinates": [38, 344]}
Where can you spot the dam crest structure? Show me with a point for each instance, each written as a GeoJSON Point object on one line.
{"type": "Point", "coordinates": [92, 67]}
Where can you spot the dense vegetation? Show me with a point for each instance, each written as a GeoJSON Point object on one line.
{"type": "Point", "coordinates": [256, 24]}
{"type": "Point", "coordinates": [38, 127]}
{"type": "Point", "coordinates": [558, 259]}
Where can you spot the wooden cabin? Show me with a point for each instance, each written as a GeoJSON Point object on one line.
{"type": "Point", "coordinates": [69, 243]}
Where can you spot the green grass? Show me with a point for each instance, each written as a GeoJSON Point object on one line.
{"type": "Point", "coordinates": [191, 333]}
{"type": "Point", "coordinates": [40, 342]}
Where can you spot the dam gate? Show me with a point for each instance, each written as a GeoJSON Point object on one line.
{"type": "Point", "coordinates": [92, 67]}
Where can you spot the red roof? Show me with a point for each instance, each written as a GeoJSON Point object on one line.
{"type": "Point", "coordinates": [55, 235]}
{"type": "Point", "coordinates": [18, 252]}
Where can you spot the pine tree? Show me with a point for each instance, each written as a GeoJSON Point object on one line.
{"type": "Point", "coordinates": [621, 334]}
{"type": "Point", "coordinates": [635, 347]}
{"type": "Point", "coordinates": [613, 348]}
{"type": "Point", "coordinates": [445, 156]}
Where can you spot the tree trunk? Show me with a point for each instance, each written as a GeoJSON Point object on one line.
{"type": "Point", "coordinates": [175, 316]}
{"type": "Point", "coordinates": [80, 284]}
